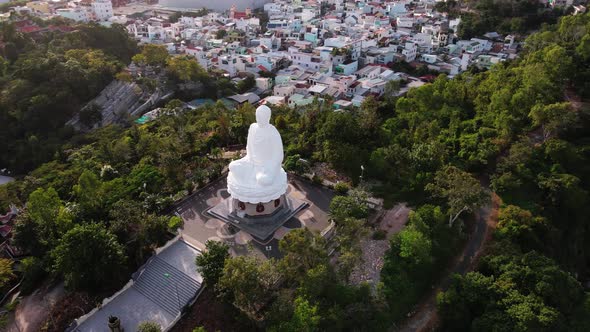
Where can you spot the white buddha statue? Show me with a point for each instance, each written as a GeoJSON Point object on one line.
{"type": "Point", "coordinates": [259, 177]}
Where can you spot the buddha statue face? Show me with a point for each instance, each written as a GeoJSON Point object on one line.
{"type": "Point", "coordinates": [263, 115]}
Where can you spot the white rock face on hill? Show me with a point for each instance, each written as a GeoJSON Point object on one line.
{"type": "Point", "coordinates": [117, 102]}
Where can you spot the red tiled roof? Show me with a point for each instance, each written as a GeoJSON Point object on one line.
{"type": "Point", "coordinates": [497, 47]}
{"type": "Point", "coordinates": [29, 29]}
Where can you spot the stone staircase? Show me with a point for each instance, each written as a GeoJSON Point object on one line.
{"type": "Point", "coordinates": [166, 286]}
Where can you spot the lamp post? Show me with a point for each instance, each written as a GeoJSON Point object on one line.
{"type": "Point", "coordinates": [168, 275]}
{"type": "Point", "coordinates": [362, 173]}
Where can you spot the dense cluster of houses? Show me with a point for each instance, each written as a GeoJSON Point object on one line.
{"type": "Point", "coordinates": [334, 48]}
{"type": "Point", "coordinates": [298, 50]}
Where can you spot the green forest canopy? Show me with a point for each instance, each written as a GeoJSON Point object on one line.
{"type": "Point", "coordinates": [45, 80]}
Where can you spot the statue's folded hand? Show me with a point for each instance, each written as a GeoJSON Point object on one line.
{"type": "Point", "coordinates": [264, 178]}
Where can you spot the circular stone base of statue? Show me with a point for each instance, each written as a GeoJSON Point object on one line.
{"type": "Point", "coordinates": [260, 220]}
{"type": "Point", "coordinates": [245, 209]}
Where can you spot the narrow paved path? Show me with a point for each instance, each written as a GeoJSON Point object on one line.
{"type": "Point", "coordinates": [425, 318]}
{"type": "Point", "coordinates": [34, 309]}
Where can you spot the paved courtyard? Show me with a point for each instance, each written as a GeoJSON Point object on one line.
{"type": "Point", "coordinates": [200, 227]}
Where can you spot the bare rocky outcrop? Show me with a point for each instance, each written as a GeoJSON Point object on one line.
{"type": "Point", "coordinates": [117, 102]}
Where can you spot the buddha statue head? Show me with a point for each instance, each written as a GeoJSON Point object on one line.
{"type": "Point", "coordinates": [263, 115]}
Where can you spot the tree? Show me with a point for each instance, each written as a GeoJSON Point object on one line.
{"type": "Point", "coordinates": [148, 326]}
{"type": "Point", "coordinates": [89, 193]}
{"type": "Point", "coordinates": [432, 223]}
{"type": "Point", "coordinates": [220, 34]}
{"type": "Point", "coordinates": [341, 188]}
{"type": "Point", "coordinates": [10, 51]}
{"type": "Point", "coordinates": [349, 233]}
{"type": "Point", "coordinates": [553, 119]}
{"type": "Point", "coordinates": [210, 263]}
{"type": "Point", "coordinates": [294, 164]}
{"type": "Point", "coordinates": [414, 246]}
{"type": "Point", "coordinates": [185, 68]}
{"type": "Point", "coordinates": [407, 270]}
{"type": "Point", "coordinates": [302, 250]}
{"type": "Point", "coordinates": [124, 76]}
{"type": "Point", "coordinates": [512, 291]}
{"type": "Point", "coordinates": [354, 205]}
{"type": "Point", "coordinates": [369, 120]}
{"type": "Point", "coordinates": [152, 55]}
{"type": "Point", "coordinates": [6, 273]}
{"type": "Point", "coordinates": [246, 84]}
{"type": "Point", "coordinates": [305, 318]}
{"type": "Point", "coordinates": [90, 115]}
{"type": "Point", "coordinates": [460, 189]}
{"type": "Point", "coordinates": [43, 223]}
{"type": "Point", "coordinates": [141, 231]}
{"type": "Point", "coordinates": [152, 232]}
{"type": "Point", "coordinates": [249, 282]}
{"type": "Point", "coordinates": [520, 226]}
{"type": "Point", "coordinates": [89, 257]}
{"type": "Point", "coordinates": [33, 274]}
{"type": "Point", "coordinates": [392, 89]}
{"type": "Point", "coordinates": [174, 223]}
{"type": "Point", "coordinates": [145, 177]}
{"type": "Point", "coordinates": [216, 153]}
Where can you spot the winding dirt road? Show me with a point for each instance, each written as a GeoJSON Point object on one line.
{"type": "Point", "coordinates": [425, 318]}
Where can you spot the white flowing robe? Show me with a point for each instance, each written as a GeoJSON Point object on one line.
{"type": "Point", "coordinates": [259, 177]}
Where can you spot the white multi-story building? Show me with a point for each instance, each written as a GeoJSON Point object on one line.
{"type": "Point", "coordinates": [270, 41]}
{"type": "Point", "coordinates": [191, 22]}
{"type": "Point", "coordinates": [102, 9]}
{"type": "Point", "coordinates": [306, 60]}
{"type": "Point", "coordinates": [409, 51]}
{"type": "Point", "coordinates": [263, 83]}
{"type": "Point", "coordinates": [284, 90]}
{"type": "Point", "coordinates": [471, 46]}
{"type": "Point", "coordinates": [404, 22]}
